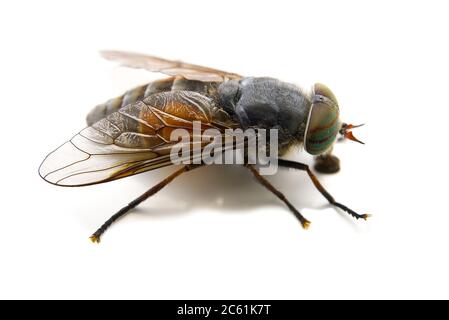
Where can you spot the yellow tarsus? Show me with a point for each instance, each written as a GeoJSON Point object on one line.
{"type": "Point", "coordinates": [306, 225]}
{"type": "Point", "coordinates": [366, 216]}
{"type": "Point", "coordinates": [94, 239]}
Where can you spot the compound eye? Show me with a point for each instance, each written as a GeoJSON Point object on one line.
{"type": "Point", "coordinates": [323, 123]}
{"type": "Point", "coordinates": [320, 89]}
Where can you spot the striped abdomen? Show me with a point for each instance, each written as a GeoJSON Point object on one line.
{"type": "Point", "coordinates": [142, 92]}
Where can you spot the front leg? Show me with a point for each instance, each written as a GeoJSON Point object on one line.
{"type": "Point", "coordinates": [317, 184]}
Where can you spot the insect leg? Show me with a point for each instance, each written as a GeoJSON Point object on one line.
{"type": "Point", "coordinates": [305, 223]}
{"type": "Point", "coordinates": [97, 234]}
{"type": "Point", "coordinates": [317, 184]}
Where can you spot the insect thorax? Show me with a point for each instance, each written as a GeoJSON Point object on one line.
{"type": "Point", "coordinates": [268, 103]}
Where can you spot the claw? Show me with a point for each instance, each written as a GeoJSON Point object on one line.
{"type": "Point", "coordinates": [305, 224]}
{"type": "Point", "coordinates": [366, 216]}
{"type": "Point", "coordinates": [94, 239]}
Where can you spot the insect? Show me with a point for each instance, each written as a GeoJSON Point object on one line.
{"type": "Point", "coordinates": [130, 134]}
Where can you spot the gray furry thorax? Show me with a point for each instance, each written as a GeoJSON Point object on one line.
{"type": "Point", "coordinates": [267, 103]}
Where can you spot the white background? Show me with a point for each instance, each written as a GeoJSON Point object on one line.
{"type": "Point", "coordinates": [215, 233]}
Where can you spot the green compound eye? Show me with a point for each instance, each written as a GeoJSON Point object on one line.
{"type": "Point", "coordinates": [323, 123]}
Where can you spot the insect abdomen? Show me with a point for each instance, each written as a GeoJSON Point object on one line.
{"type": "Point", "coordinates": [142, 92]}
{"type": "Point", "coordinates": [131, 96]}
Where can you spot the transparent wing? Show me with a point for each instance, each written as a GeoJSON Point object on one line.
{"type": "Point", "coordinates": [169, 67]}
{"type": "Point", "coordinates": [135, 139]}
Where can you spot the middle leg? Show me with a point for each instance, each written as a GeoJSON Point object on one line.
{"type": "Point", "coordinates": [304, 222]}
